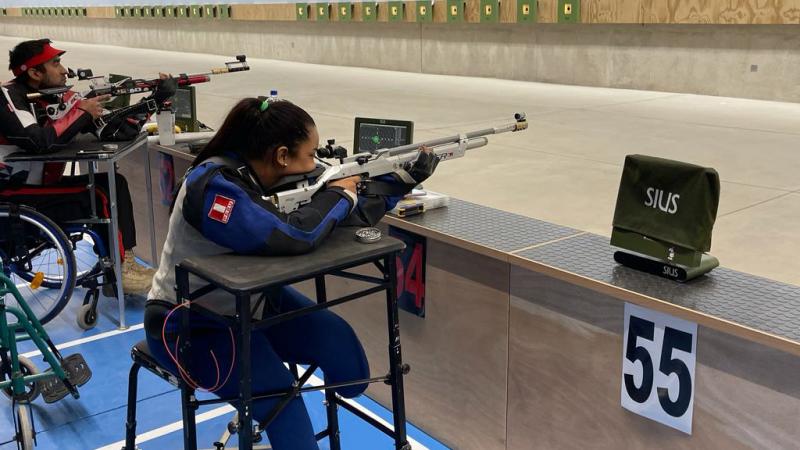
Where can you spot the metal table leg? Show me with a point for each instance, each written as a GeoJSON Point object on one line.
{"type": "Point", "coordinates": [396, 369]}
{"type": "Point", "coordinates": [331, 408]}
{"type": "Point", "coordinates": [245, 376]}
{"type": "Point", "coordinates": [112, 188]}
{"type": "Point", "coordinates": [150, 214]}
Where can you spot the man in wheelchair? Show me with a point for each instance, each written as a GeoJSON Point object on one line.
{"type": "Point", "coordinates": [37, 65]}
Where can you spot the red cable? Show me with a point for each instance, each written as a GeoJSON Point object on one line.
{"type": "Point", "coordinates": [183, 372]}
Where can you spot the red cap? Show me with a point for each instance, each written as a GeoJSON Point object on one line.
{"type": "Point", "coordinates": [47, 54]}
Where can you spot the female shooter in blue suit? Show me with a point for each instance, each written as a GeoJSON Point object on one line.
{"type": "Point", "coordinates": [220, 208]}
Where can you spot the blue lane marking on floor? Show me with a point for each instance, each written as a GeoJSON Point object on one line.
{"type": "Point", "coordinates": [64, 327]}
{"type": "Point", "coordinates": [98, 417]}
{"type": "Point", "coordinates": [110, 362]}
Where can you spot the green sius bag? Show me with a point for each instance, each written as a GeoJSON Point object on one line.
{"type": "Point", "coordinates": [670, 201]}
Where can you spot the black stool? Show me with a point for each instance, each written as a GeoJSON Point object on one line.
{"type": "Point", "coordinates": [140, 353]}
{"type": "Point", "coordinates": [141, 356]}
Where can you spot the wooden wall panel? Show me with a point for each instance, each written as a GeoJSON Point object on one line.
{"type": "Point", "coordinates": [740, 12]}
{"type": "Point", "coordinates": [440, 11]}
{"type": "Point", "coordinates": [410, 12]}
{"type": "Point", "coordinates": [508, 11]}
{"type": "Point", "coordinates": [767, 12]}
{"type": "Point", "coordinates": [788, 11]}
{"type": "Point", "coordinates": [357, 13]}
{"type": "Point", "coordinates": [736, 12]}
{"type": "Point", "coordinates": [764, 12]}
{"type": "Point", "coordinates": [273, 12]}
{"type": "Point", "coordinates": [720, 11]}
{"type": "Point", "coordinates": [547, 11]}
{"type": "Point", "coordinates": [693, 11]}
{"type": "Point", "coordinates": [99, 12]}
{"type": "Point", "coordinates": [655, 11]}
{"type": "Point", "coordinates": [611, 11]}
{"type": "Point", "coordinates": [472, 11]}
{"type": "Point", "coordinates": [383, 11]}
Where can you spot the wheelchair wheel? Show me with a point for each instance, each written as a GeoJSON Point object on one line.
{"type": "Point", "coordinates": [24, 428]}
{"type": "Point", "coordinates": [27, 367]}
{"type": "Point", "coordinates": [87, 317]}
{"type": "Point", "coordinates": [87, 259]}
{"type": "Point", "coordinates": [44, 272]}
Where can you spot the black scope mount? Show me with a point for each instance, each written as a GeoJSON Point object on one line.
{"type": "Point", "coordinates": [331, 150]}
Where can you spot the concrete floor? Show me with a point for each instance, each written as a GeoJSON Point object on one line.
{"type": "Point", "coordinates": [566, 168]}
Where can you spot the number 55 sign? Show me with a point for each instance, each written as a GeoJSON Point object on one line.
{"type": "Point", "coordinates": [658, 360]}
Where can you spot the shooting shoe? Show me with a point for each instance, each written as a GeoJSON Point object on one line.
{"type": "Point", "coordinates": [136, 267]}
{"type": "Point", "coordinates": [135, 281]}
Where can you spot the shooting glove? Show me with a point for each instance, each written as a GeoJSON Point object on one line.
{"type": "Point", "coordinates": [166, 89]}
{"type": "Point", "coordinates": [423, 167]}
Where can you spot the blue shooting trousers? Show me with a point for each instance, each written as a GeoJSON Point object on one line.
{"type": "Point", "coordinates": [321, 338]}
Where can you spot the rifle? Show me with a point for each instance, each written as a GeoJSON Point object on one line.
{"type": "Point", "coordinates": [295, 191]}
{"type": "Point", "coordinates": [101, 86]}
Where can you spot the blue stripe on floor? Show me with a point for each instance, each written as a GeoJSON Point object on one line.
{"type": "Point", "coordinates": [98, 417]}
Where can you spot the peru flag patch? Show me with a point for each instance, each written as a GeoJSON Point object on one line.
{"type": "Point", "coordinates": [221, 208]}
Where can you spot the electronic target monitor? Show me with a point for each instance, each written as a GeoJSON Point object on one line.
{"type": "Point", "coordinates": [374, 134]}
{"type": "Point", "coordinates": [184, 103]}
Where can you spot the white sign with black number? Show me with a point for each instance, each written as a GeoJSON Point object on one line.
{"type": "Point", "coordinates": [658, 359]}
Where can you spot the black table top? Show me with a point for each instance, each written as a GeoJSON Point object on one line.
{"type": "Point", "coordinates": [85, 147]}
{"type": "Point", "coordinates": [238, 273]}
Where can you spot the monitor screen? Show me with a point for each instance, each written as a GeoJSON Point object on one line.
{"type": "Point", "coordinates": [182, 103]}
{"type": "Point", "coordinates": [375, 134]}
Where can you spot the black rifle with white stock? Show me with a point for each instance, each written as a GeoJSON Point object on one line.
{"type": "Point", "coordinates": [163, 90]}
{"type": "Point", "coordinates": [292, 192]}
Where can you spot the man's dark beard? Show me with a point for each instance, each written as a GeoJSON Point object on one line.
{"type": "Point", "coordinates": [45, 84]}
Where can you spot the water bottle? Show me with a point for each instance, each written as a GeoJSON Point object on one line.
{"type": "Point", "coordinates": [165, 120]}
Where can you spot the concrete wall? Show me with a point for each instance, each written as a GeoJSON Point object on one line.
{"type": "Point", "coordinates": [751, 61]}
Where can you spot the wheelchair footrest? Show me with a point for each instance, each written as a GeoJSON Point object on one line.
{"type": "Point", "coordinates": [78, 373]}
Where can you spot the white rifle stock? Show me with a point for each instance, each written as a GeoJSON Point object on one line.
{"type": "Point", "coordinates": [384, 161]}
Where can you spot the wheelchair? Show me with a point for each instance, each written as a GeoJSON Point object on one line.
{"type": "Point", "coordinates": [40, 259]}
{"type": "Point", "coordinates": [20, 379]}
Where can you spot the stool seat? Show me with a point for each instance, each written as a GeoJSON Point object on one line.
{"type": "Point", "coordinates": [141, 355]}
{"type": "Point", "coordinates": [142, 349]}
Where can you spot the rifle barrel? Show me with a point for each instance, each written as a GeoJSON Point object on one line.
{"type": "Point", "coordinates": [193, 79]}
{"type": "Point", "coordinates": [517, 126]}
